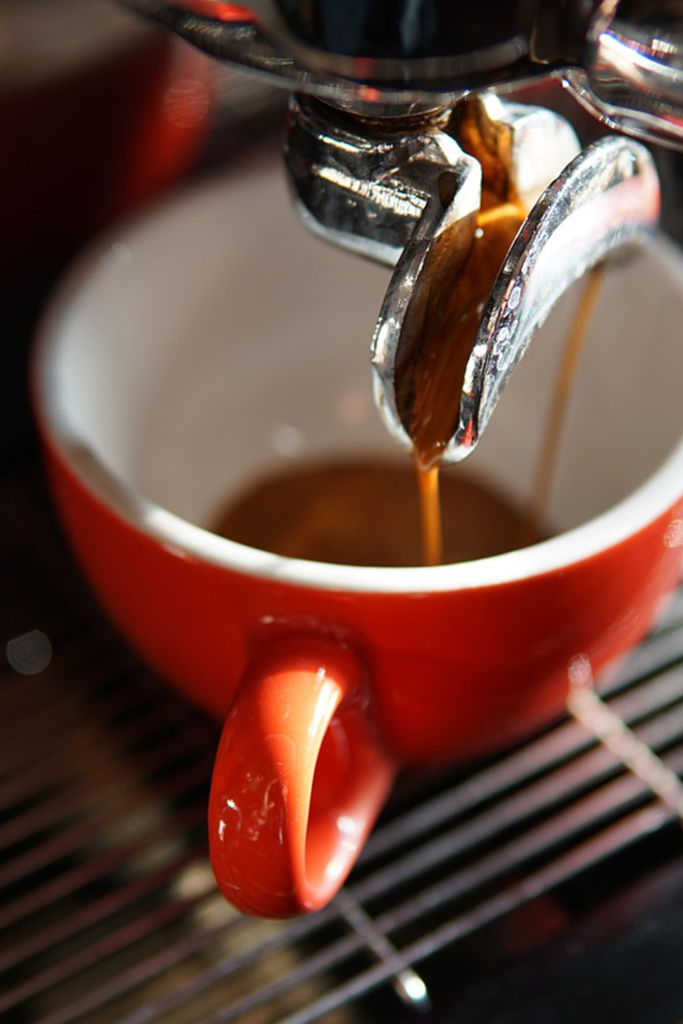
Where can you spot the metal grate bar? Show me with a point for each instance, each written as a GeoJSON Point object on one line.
{"type": "Point", "coordinates": [80, 792]}
{"type": "Point", "coordinates": [99, 867]}
{"type": "Point", "coordinates": [297, 931]}
{"type": "Point", "coordinates": [29, 779]}
{"type": "Point", "coordinates": [95, 847]}
{"type": "Point", "coordinates": [591, 813]}
{"type": "Point", "coordinates": [115, 940]}
{"type": "Point", "coordinates": [559, 745]}
{"type": "Point", "coordinates": [505, 861]}
{"type": "Point", "coordinates": [567, 826]}
{"type": "Point", "coordinates": [633, 752]}
{"type": "Point", "coordinates": [81, 834]}
{"type": "Point", "coordinates": [544, 796]}
{"type": "Point", "coordinates": [572, 740]}
{"type": "Point", "coordinates": [562, 870]}
{"type": "Point", "coordinates": [98, 911]}
{"type": "Point", "coordinates": [408, 985]}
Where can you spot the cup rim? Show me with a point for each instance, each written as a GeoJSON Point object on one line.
{"type": "Point", "coordinates": [657, 495]}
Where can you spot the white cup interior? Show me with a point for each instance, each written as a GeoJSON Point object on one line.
{"type": "Point", "coordinates": [215, 339]}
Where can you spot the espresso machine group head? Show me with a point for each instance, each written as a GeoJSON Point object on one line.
{"type": "Point", "coordinates": [400, 129]}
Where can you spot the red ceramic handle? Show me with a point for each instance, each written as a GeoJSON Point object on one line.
{"type": "Point", "coordinates": [298, 782]}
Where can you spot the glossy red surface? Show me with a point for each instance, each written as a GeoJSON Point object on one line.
{"type": "Point", "coordinates": [299, 779]}
{"type": "Point", "coordinates": [416, 677]}
{"type": "Point", "coordinates": [214, 9]}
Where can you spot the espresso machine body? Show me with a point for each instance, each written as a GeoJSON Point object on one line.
{"type": "Point", "coordinates": [620, 59]}
{"type": "Point", "coordinates": [383, 159]}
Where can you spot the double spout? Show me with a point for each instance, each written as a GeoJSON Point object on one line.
{"type": "Point", "coordinates": [389, 157]}
{"type": "Point", "coordinates": [419, 194]}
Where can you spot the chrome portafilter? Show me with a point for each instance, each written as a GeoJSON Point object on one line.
{"type": "Point", "coordinates": [605, 201]}
{"type": "Point", "coordinates": [408, 195]}
{"type": "Point", "coordinates": [397, 143]}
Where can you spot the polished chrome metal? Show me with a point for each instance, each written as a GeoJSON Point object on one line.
{"type": "Point", "coordinates": [607, 198]}
{"type": "Point", "coordinates": [629, 74]}
{"type": "Point", "coordinates": [632, 78]}
{"type": "Point", "coordinates": [379, 190]}
{"type": "Point", "coordinates": [366, 186]}
{"type": "Point", "coordinates": [264, 46]}
{"type": "Point", "coordinates": [399, 192]}
{"type": "Point", "coordinates": [408, 984]}
{"type": "Point", "coordinates": [588, 708]}
{"type": "Point", "coordinates": [541, 144]}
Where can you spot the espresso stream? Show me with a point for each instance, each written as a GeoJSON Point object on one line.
{"type": "Point", "coordinates": [379, 513]}
{"type": "Point", "coordinates": [437, 342]}
{"type": "Point", "coordinates": [367, 512]}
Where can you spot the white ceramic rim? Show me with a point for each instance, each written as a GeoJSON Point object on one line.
{"type": "Point", "coordinates": [659, 493]}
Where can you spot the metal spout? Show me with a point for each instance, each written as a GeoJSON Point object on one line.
{"type": "Point", "coordinates": [605, 200]}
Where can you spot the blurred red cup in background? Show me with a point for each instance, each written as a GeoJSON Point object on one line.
{"type": "Point", "coordinates": [98, 111]}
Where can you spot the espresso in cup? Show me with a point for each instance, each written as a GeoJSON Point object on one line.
{"type": "Point", "coordinates": [381, 512]}
{"type": "Point", "coordinates": [372, 512]}
{"type": "Point", "coordinates": [367, 512]}
{"type": "Point", "coordinates": [378, 513]}
{"type": "Point", "coordinates": [166, 388]}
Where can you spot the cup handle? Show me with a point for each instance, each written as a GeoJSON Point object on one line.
{"type": "Point", "coordinates": [298, 782]}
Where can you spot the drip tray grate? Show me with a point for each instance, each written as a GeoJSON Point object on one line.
{"type": "Point", "coordinates": [109, 913]}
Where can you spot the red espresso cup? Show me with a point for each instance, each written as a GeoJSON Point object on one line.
{"type": "Point", "coordinates": [200, 348]}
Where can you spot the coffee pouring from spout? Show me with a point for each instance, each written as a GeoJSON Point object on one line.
{"type": "Point", "coordinates": [376, 165]}
{"type": "Point", "coordinates": [601, 204]}
{"type": "Point", "coordinates": [408, 195]}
